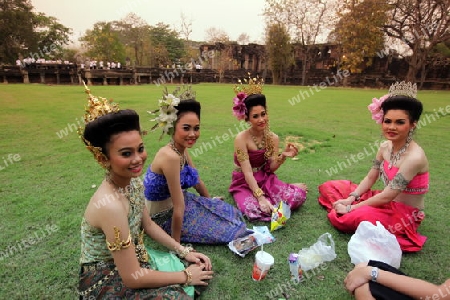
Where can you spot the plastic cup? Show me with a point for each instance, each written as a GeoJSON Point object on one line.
{"type": "Point", "coordinates": [263, 262]}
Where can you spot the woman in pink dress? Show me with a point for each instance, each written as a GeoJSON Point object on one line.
{"type": "Point", "coordinates": [402, 166]}
{"type": "Point", "coordinates": [255, 187]}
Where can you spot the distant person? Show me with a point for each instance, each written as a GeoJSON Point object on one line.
{"type": "Point", "coordinates": [402, 166]}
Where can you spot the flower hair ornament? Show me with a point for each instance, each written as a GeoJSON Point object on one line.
{"type": "Point", "coordinates": [167, 112]}
{"type": "Point", "coordinates": [251, 86]}
{"type": "Point", "coordinates": [403, 88]}
{"type": "Point", "coordinates": [96, 108]}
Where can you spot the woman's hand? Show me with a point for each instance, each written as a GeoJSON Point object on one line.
{"type": "Point", "coordinates": [290, 150]}
{"type": "Point", "coordinates": [357, 277]}
{"type": "Point", "coordinates": [200, 274]}
{"type": "Point", "coordinates": [265, 205]}
{"type": "Point", "coordinates": [345, 202]}
{"type": "Point", "coordinates": [199, 259]}
{"type": "Point", "coordinates": [342, 209]}
{"type": "Point", "coordinates": [218, 197]}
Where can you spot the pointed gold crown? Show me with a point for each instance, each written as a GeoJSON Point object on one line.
{"type": "Point", "coordinates": [252, 85]}
{"type": "Point", "coordinates": [97, 107]}
{"type": "Point", "coordinates": [403, 89]}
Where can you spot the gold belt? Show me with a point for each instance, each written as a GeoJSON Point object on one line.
{"type": "Point", "coordinates": [239, 169]}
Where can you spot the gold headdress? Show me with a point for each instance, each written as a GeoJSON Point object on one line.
{"type": "Point", "coordinates": [97, 107]}
{"type": "Point", "coordinates": [252, 85]}
{"type": "Point", "coordinates": [167, 112]}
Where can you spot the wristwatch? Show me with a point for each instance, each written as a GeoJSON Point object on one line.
{"type": "Point", "coordinates": [374, 274]}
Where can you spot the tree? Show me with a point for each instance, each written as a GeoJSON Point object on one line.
{"type": "Point", "coordinates": [22, 31]}
{"type": "Point", "coordinates": [420, 25]}
{"type": "Point", "coordinates": [50, 33]}
{"type": "Point", "coordinates": [162, 36]}
{"type": "Point", "coordinates": [186, 27]}
{"type": "Point", "coordinates": [216, 35]}
{"type": "Point", "coordinates": [243, 39]}
{"type": "Point", "coordinates": [103, 43]}
{"type": "Point", "coordinates": [305, 21]}
{"type": "Point", "coordinates": [134, 33]}
{"type": "Point", "coordinates": [359, 31]}
{"type": "Point", "coordinates": [279, 51]}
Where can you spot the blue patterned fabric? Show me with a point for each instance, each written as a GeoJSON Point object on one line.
{"type": "Point", "coordinates": [208, 221]}
{"type": "Point", "coordinates": [156, 188]}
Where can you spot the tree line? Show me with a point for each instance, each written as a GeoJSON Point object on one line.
{"type": "Point", "coordinates": [418, 30]}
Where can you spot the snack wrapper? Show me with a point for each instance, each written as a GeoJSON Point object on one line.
{"type": "Point", "coordinates": [243, 245]}
{"type": "Point", "coordinates": [280, 215]}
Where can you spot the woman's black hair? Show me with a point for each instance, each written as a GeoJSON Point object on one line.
{"type": "Point", "coordinates": [188, 105]}
{"type": "Point", "coordinates": [254, 100]}
{"type": "Point", "coordinates": [412, 106]}
{"type": "Point", "coordinates": [99, 131]}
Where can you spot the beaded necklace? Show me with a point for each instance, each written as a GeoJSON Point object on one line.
{"type": "Point", "coordinates": [261, 145]}
{"type": "Point", "coordinates": [182, 157]}
{"type": "Point", "coordinates": [394, 158]}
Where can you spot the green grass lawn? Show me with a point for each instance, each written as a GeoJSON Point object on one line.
{"type": "Point", "coordinates": [47, 178]}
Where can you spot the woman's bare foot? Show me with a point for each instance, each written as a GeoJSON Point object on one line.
{"type": "Point", "coordinates": [302, 186]}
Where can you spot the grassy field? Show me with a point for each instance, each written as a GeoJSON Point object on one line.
{"type": "Point", "coordinates": [47, 178]}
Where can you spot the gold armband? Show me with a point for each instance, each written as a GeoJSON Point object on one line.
{"type": "Point", "coordinates": [241, 155]}
{"type": "Point", "coordinates": [258, 193]}
{"type": "Point", "coordinates": [118, 244]}
{"type": "Point", "coordinates": [188, 277]}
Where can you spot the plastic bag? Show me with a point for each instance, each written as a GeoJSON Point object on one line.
{"type": "Point", "coordinates": [280, 215]}
{"type": "Point", "coordinates": [371, 242]}
{"type": "Point", "coordinates": [322, 251]}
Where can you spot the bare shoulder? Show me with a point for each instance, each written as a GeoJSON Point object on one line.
{"type": "Point", "coordinates": [241, 139]}
{"type": "Point", "coordinates": [385, 145]}
{"type": "Point", "coordinates": [384, 150]}
{"type": "Point", "coordinates": [241, 135]}
{"type": "Point", "coordinates": [165, 156]}
{"type": "Point", "coordinates": [274, 136]}
{"type": "Point", "coordinates": [104, 203]}
{"type": "Point", "coordinates": [417, 155]}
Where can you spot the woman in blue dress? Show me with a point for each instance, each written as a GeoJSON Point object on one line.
{"type": "Point", "coordinates": [186, 216]}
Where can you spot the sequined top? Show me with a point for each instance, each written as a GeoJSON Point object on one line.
{"type": "Point", "coordinates": [156, 187]}
{"type": "Point", "coordinates": [418, 185]}
{"type": "Point", "coordinates": [93, 240]}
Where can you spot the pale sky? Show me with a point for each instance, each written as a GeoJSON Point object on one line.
{"type": "Point", "coordinates": [232, 16]}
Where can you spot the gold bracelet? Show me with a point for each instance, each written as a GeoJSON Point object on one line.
{"type": "Point", "coordinates": [189, 277]}
{"type": "Point", "coordinates": [281, 159]}
{"type": "Point", "coordinates": [258, 193]}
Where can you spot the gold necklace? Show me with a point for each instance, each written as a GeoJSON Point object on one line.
{"type": "Point", "coordinates": [182, 157]}
{"type": "Point", "coordinates": [261, 145]}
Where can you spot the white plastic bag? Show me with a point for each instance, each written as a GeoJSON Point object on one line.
{"type": "Point", "coordinates": [321, 251]}
{"type": "Point", "coordinates": [371, 242]}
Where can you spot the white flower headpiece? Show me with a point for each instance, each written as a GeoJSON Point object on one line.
{"type": "Point", "coordinates": [167, 112]}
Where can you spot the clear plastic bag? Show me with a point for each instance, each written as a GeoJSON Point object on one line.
{"type": "Point", "coordinates": [322, 251]}
{"type": "Point", "coordinates": [374, 242]}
